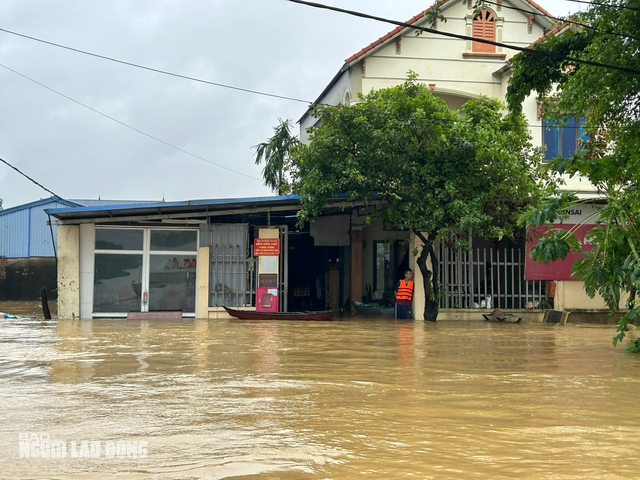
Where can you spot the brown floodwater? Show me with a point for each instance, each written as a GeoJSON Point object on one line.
{"type": "Point", "coordinates": [345, 399]}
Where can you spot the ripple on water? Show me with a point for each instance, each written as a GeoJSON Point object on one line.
{"type": "Point", "coordinates": [338, 400]}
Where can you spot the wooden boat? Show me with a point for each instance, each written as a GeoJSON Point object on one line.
{"type": "Point", "coordinates": [322, 315]}
{"type": "Point", "coordinates": [373, 310]}
{"type": "Point", "coordinates": [498, 315]}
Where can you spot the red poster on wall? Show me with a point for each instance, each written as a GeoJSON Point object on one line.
{"type": "Point", "coordinates": [264, 247]}
{"type": "Point", "coordinates": [560, 269]}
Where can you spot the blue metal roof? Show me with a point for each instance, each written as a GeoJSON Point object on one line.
{"type": "Point", "coordinates": [156, 206]}
{"type": "Point", "coordinates": [37, 203]}
{"type": "Point", "coordinates": [100, 202]}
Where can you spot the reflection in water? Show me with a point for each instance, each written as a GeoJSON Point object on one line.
{"type": "Point", "coordinates": [405, 343]}
{"type": "Point", "coordinates": [372, 399]}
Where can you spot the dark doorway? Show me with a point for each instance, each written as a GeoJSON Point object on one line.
{"type": "Point", "coordinates": [390, 261]}
{"type": "Point", "coordinates": [312, 271]}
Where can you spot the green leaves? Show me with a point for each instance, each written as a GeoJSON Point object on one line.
{"type": "Point", "coordinates": [275, 155]}
{"type": "Point", "coordinates": [468, 170]}
{"type": "Point", "coordinates": [552, 209]}
{"type": "Point", "coordinates": [555, 244]}
{"type": "Point", "coordinates": [446, 173]}
{"type": "Point", "coordinates": [623, 326]}
{"type": "Point", "coordinates": [608, 100]}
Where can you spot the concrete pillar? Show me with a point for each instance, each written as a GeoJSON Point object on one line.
{"type": "Point", "coordinates": [356, 266]}
{"type": "Point", "coordinates": [203, 265]}
{"type": "Point", "coordinates": [417, 304]}
{"type": "Point", "coordinates": [68, 272]}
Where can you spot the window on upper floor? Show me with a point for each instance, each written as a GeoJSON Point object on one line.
{"type": "Point", "coordinates": [484, 26]}
{"type": "Point", "coordinates": [562, 138]}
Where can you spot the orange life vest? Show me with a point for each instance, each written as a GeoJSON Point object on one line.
{"type": "Point", "coordinates": [405, 291]}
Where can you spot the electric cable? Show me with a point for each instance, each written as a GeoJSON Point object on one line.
{"type": "Point", "coordinates": [620, 7]}
{"type": "Point", "coordinates": [466, 37]}
{"type": "Point", "coordinates": [30, 179]}
{"type": "Point", "coordinates": [156, 70]}
{"type": "Point", "coordinates": [129, 126]}
{"type": "Point", "coordinates": [562, 20]}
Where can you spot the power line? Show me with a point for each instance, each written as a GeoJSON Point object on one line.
{"type": "Point", "coordinates": [465, 37]}
{"type": "Point", "coordinates": [29, 178]}
{"type": "Point", "coordinates": [562, 20]}
{"type": "Point", "coordinates": [621, 7]}
{"type": "Point", "coordinates": [176, 147]}
{"type": "Point", "coordinates": [164, 72]}
{"type": "Point", "coordinates": [128, 126]}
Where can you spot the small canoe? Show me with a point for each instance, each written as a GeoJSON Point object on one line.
{"type": "Point", "coordinates": [372, 310]}
{"type": "Point", "coordinates": [498, 315]}
{"type": "Point", "coordinates": [322, 315]}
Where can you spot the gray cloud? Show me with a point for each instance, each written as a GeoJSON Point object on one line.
{"type": "Point", "coordinates": [267, 45]}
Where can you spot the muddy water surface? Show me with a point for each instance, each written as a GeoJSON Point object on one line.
{"type": "Point", "coordinates": [345, 399]}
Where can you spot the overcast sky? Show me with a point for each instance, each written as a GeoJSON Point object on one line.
{"type": "Point", "coordinates": [271, 46]}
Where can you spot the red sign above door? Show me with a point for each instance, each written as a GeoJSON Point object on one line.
{"type": "Point", "coordinates": [263, 247]}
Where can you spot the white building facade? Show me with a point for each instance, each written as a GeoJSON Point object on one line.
{"type": "Point", "coordinates": [456, 70]}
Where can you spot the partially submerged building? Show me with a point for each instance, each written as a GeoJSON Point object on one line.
{"type": "Point", "coordinates": [458, 69]}
{"type": "Point", "coordinates": [115, 259]}
{"type": "Point", "coordinates": [28, 247]}
{"type": "Point", "coordinates": [196, 256]}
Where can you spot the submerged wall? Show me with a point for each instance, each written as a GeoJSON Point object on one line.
{"type": "Point", "coordinates": [22, 278]}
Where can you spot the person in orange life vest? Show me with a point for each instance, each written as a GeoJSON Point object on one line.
{"type": "Point", "coordinates": [193, 263]}
{"type": "Point", "coordinates": [404, 294]}
{"type": "Point", "coordinates": [186, 263]}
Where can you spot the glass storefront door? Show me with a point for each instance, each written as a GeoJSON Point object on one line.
{"type": "Point", "coordinates": [144, 270]}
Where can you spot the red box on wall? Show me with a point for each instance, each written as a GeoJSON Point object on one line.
{"type": "Point", "coordinates": [266, 299]}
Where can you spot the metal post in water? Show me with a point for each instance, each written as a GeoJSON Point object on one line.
{"type": "Point", "coordinates": [45, 303]}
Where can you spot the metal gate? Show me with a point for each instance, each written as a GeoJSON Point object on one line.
{"type": "Point", "coordinates": [231, 278]}
{"type": "Point", "coordinates": [489, 278]}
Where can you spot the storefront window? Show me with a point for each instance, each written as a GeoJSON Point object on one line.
{"type": "Point", "coordinates": [144, 270]}
{"type": "Point", "coordinates": [119, 239]}
{"type": "Point", "coordinates": [117, 283]}
{"type": "Point", "coordinates": [168, 240]}
{"type": "Point", "coordinates": [172, 283]}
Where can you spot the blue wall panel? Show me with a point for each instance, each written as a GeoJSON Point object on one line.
{"type": "Point", "coordinates": [24, 231]}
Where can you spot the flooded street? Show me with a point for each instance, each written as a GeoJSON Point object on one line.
{"type": "Point", "coordinates": [345, 399]}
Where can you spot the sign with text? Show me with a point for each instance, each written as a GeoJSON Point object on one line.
{"type": "Point", "coordinates": [580, 219]}
{"type": "Point", "coordinates": [264, 247]}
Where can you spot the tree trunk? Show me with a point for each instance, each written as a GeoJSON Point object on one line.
{"type": "Point", "coordinates": [429, 278]}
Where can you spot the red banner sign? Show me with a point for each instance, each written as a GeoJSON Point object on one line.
{"type": "Point", "coordinates": [560, 269]}
{"type": "Point", "coordinates": [263, 247]}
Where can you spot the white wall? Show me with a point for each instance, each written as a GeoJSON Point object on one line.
{"type": "Point", "coordinates": [87, 264]}
{"type": "Point", "coordinates": [334, 96]}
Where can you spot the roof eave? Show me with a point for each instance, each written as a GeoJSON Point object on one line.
{"type": "Point", "coordinates": [318, 100]}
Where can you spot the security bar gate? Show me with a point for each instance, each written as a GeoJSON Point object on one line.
{"type": "Point", "coordinates": [489, 278]}
{"type": "Point", "coordinates": [232, 267]}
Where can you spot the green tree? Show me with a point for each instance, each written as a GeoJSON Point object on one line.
{"type": "Point", "coordinates": [275, 154]}
{"type": "Point", "coordinates": [608, 98]}
{"type": "Point", "coordinates": [437, 173]}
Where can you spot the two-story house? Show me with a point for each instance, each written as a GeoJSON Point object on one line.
{"type": "Point", "coordinates": [457, 69]}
